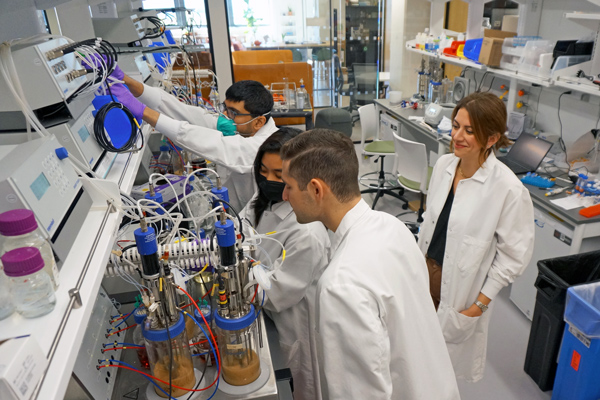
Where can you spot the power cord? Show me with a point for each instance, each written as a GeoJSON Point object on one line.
{"type": "Point", "coordinates": [102, 137]}
{"type": "Point", "coordinates": [561, 142]}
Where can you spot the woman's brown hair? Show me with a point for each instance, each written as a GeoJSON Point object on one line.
{"type": "Point", "coordinates": [487, 114]}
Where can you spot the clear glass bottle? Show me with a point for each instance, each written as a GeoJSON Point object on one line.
{"type": "Point", "coordinates": [213, 97]}
{"type": "Point", "coordinates": [6, 304]}
{"type": "Point", "coordinates": [286, 102]}
{"type": "Point", "coordinates": [163, 164]}
{"type": "Point", "coordinates": [31, 287]}
{"type": "Point", "coordinates": [139, 316]}
{"type": "Point", "coordinates": [302, 96]}
{"type": "Point", "coordinates": [19, 229]}
{"type": "Point", "coordinates": [177, 161]}
{"type": "Point", "coordinates": [239, 349]}
{"type": "Point", "coordinates": [159, 355]}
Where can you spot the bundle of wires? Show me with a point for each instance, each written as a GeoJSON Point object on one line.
{"type": "Point", "coordinates": [105, 57]}
{"type": "Point", "coordinates": [159, 27]}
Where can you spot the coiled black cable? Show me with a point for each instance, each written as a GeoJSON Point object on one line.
{"type": "Point", "coordinates": [159, 27]}
{"type": "Point", "coordinates": [104, 140]}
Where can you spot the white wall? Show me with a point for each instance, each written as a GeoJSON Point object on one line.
{"type": "Point", "coordinates": [554, 25]}
{"type": "Point", "coordinates": [409, 17]}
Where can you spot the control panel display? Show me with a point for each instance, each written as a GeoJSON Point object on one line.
{"type": "Point", "coordinates": [40, 186]}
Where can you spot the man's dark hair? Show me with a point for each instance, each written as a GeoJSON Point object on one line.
{"type": "Point", "coordinates": [273, 144]}
{"type": "Point", "coordinates": [257, 99]}
{"type": "Point", "coordinates": [327, 155]}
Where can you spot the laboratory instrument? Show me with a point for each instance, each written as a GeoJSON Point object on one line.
{"type": "Point", "coordinates": [434, 113]}
{"type": "Point", "coordinates": [51, 79]}
{"type": "Point", "coordinates": [422, 82]}
{"type": "Point", "coordinates": [37, 176]}
{"type": "Point", "coordinates": [163, 328]}
{"type": "Point", "coordinates": [30, 286]}
{"type": "Point", "coordinates": [20, 229]}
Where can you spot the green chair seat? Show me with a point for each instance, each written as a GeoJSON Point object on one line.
{"type": "Point", "coordinates": [413, 184]}
{"type": "Point", "coordinates": [380, 146]}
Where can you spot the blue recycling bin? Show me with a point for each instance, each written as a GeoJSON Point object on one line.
{"type": "Point", "coordinates": [577, 376]}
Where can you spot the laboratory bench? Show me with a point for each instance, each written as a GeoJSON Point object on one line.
{"type": "Point", "coordinates": [559, 232]}
{"type": "Point", "coordinates": [71, 335]}
{"type": "Point", "coordinates": [61, 332]}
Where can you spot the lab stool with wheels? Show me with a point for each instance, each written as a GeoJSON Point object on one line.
{"type": "Point", "coordinates": [382, 183]}
{"type": "Point", "coordinates": [579, 362]}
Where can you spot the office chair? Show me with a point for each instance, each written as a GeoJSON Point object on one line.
{"type": "Point", "coordinates": [381, 183]}
{"type": "Point", "coordinates": [334, 118]}
{"type": "Point", "coordinates": [412, 169]}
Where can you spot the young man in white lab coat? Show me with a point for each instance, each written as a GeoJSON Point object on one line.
{"type": "Point", "coordinates": [377, 332]}
{"type": "Point", "coordinates": [245, 111]}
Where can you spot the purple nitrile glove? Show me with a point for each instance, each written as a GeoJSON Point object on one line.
{"type": "Point", "coordinates": [124, 96]}
{"type": "Point", "coordinates": [100, 62]}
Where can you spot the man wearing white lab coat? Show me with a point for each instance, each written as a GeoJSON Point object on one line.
{"type": "Point", "coordinates": [291, 297]}
{"type": "Point", "coordinates": [377, 333]}
{"type": "Point", "coordinates": [248, 105]}
{"type": "Point", "coordinates": [489, 242]}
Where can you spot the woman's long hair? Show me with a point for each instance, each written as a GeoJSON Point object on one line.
{"type": "Point", "coordinates": [272, 145]}
{"type": "Point", "coordinates": [488, 117]}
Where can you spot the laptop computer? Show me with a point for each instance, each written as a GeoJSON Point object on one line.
{"type": "Point", "coordinates": [526, 154]}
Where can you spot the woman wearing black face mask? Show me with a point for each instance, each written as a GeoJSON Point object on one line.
{"type": "Point", "coordinates": [290, 300]}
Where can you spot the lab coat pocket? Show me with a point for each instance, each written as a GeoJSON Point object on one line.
{"type": "Point", "coordinates": [456, 327]}
{"type": "Point", "coordinates": [471, 253]}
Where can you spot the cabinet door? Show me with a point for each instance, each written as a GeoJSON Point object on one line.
{"type": "Point", "coordinates": [552, 239]}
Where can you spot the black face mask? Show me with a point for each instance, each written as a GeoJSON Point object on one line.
{"type": "Point", "coordinates": [272, 190]}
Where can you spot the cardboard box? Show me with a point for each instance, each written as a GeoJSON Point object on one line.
{"type": "Point", "coordinates": [22, 364]}
{"type": "Point", "coordinates": [491, 47]}
{"type": "Point", "coordinates": [495, 33]}
{"type": "Point", "coordinates": [491, 51]}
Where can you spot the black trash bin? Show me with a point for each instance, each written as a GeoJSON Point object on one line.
{"type": "Point", "coordinates": [555, 276]}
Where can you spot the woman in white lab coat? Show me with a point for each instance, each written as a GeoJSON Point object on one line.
{"type": "Point", "coordinates": [290, 300]}
{"type": "Point", "coordinates": [478, 230]}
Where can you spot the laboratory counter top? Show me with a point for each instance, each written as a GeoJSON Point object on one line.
{"type": "Point", "coordinates": [571, 217]}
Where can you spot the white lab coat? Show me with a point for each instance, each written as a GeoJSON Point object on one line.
{"type": "Point", "coordinates": [194, 129]}
{"type": "Point", "coordinates": [291, 299]}
{"type": "Point", "coordinates": [489, 242]}
{"type": "Point", "coordinates": [378, 335]}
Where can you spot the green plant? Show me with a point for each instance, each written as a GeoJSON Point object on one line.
{"type": "Point", "coordinates": [249, 16]}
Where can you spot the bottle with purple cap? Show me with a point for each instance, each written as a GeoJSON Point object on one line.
{"type": "Point", "coordinates": [19, 229]}
{"type": "Point", "coordinates": [30, 285]}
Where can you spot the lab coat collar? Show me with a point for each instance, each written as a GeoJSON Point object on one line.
{"type": "Point", "coordinates": [347, 222]}
{"type": "Point", "coordinates": [267, 129]}
{"type": "Point", "coordinates": [282, 209]}
{"type": "Point", "coordinates": [482, 173]}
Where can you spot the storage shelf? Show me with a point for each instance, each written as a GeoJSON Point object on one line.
{"type": "Point", "coordinates": [449, 60]}
{"type": "Point", "coordinates": [546, 82]}
{"type": "Point", "coordinates": [589, 20]}
{"type": "Point", "coordinates": [578, 85]}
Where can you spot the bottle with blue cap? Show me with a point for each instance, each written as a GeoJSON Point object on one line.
{"type": "Point", "coordinates": [163, 163]}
